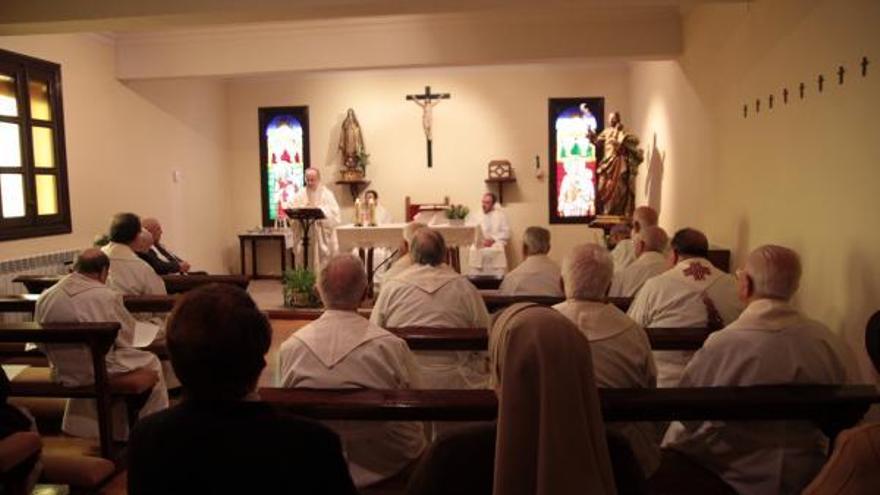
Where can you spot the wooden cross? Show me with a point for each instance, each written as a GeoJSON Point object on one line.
{"type": "Point", "coordinates": [785, 95]}
{"type": "Point", "coordinates": [864, 66]}
{"type": "Point", "coordinates": [428, 101]}
{"type": "Point", "coordinates": [802, 87]}
{"type": "Point", "coordinates": [745, 111]}
{"type": "Point", "coordinates": [840, 72]}
{"type": "Point", "coordinates": [770, 101]}
{"type": "Point", "coordinates": [821, 81]}
{"type": "Point", "coordinates": [757, 106]}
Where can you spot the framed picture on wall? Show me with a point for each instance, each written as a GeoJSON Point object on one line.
{"type": "Point", "coordinates": [573, 158]}
{"type": "Point", "coordinates": [284, 156]}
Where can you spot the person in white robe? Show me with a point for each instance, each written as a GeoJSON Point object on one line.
{"type": "Point", "coordinates": [684, 297]}
{"type": "Point", "coordinates": [404, 260]}
{"type": "Point", "coordinates": [489, 256]}
{"type": "Point", "coordinates": [128, 273]}
{"type": "Point", "coordinates": [771, 343]}
{"type": "Point", "coordinates": [431, 294]}
{"type": "Point", "coordinates": [537, 275]}
{"type": "Point", "coordinates": [621, 350]}
{"type": "Point", "coordinates": [342, 350]}
{"type": "Point", "coordinates": [82, 297]}
{"type": "Point", "coordinates": [624, 253]}
{"type": "Point", "coordinates": [322, 236]}
{"type": "Point", "coordinates": [381, 216]}
{"type": "Point", "coordinates": [650, 262]}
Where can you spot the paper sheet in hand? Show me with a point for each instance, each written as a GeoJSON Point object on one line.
{"type": "Point", "coordinates": [144, 334]}
{"type": "Point", "coordinates": [12, 370]}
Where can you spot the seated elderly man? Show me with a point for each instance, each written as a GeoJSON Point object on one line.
{"type": "Point", "coordinates": [430, 294]}
{"type": "Point", "coordinates": [82, 297]}
{"type": "Point", "coordinates": [537, 275]}
{"type": "Point", "coordinates": [685, 296]}
{"type": "Point", "coordinates": [158, 256]}
{"type": "Point", "coordinates": [404, 261]}
{"type": "Point", "coordinates": [624, 253]}
{"type": "Point", "coordinates": [770, 343]}
{"type": "Point", "coordinates": [221, 438]}
{"type": "Point", "coordinates": [342, 349]}
{"type": "Point", "coordinates": [621, 350]}
{"type": "Point", "coordinates": [650, 261]}
{"type": "Point", "coordinates": [128, 273]}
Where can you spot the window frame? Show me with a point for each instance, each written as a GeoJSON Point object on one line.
{"type": "Point", "coordinates": [25, 68]}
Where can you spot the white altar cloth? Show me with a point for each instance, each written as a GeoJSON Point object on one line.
{"type": "Point", "coordinates": [391, 236]}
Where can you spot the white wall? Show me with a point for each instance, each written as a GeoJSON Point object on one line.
{"type": "Point", "coordinates": [804, 174]}
{"type": "Point", "coordinates": [124, 141]}
{"type": "Point", "coordinates": [494, 113]}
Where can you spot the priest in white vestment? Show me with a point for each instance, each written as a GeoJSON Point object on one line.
{"type": "Point", "coordinates": [620, 348]}
{"type": "Point", "coordinates": [537, 275]}
{"type": "Point", "coordinates": [489, 257]}
{"type": "Point", "coordinates": [624, 253]}
{"type": "Point", "coordinates": [343, 350]}
{"type": "Point", "coordinates": [684, 297]}
{"type": "Point", "coordinates": [431, 294]}
{"type": "Point", "coordinates": [322, 236]}
{"type": "Point", "coordinates": [82, 297]}
{"type": "Point", "coordinates": [650, 261]}
{"type": "Point", "coordinates": [771, 343]}
{"type": "Point", "coordinates": [129, 274]}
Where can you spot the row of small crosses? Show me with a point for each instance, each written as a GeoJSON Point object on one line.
{"type": "Point", "coordinates": [802, 88]}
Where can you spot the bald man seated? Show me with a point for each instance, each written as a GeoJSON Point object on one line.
{"type": "Point", "coordinates": [83, 297]}
{"type": "Point", "coordinates": [537, 275]}
{"type": "Point", "coordinates": [342, 349]}
{"type": "Point", "coordinates": [158, 256]}
{"type": "Point", "coordinates": [624, 253]}
{"type": "Point", "coordinates": [621, 350]}
{"type": "Point", "coordinates": [685, 296]}
{"type": "Point", "coordinates": [651, 261]}
{"type": "Point", "coordinates": [770, 343]}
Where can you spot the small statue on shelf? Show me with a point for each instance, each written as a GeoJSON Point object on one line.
{"type": "Point", "coordinates": [351, 146]}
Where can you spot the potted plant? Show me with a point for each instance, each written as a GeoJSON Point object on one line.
{"type": "Point", "coordinates": [299, 288]}
{"type": "Point", "coordinates": [456, 214]}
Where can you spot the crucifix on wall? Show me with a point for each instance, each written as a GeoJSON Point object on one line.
{"type": "Point", "coordinates": [428, 101]}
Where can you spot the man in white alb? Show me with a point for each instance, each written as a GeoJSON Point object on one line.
{"type": "Point", "coordinates": [650, 261]}
{"type": "Point", "coordinates": [323, 233]}
{"type": "Point", "coordinates": [684, 297]}
{"type": "Point", "coordinates": [128, 273]}
{"type": "Point", "coordinates": [537, 275]}
{"type": "Point", "coordinates": [342, 349]}
{"type": "Point", "coordinates": [82, 297]}
{"type": "Point", "coordinates": [489, 256]}
{"type": "Point", "coordinates": [621, 350]}
{"type": "Point", "coordinates": [771, 343]}
{"type": "Point", "coordinates": [430, 294]}
{"type": "Point", "coordinates": [624, 252]}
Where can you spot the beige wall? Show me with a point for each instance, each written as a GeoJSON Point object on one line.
{"type": "Point", "coordinates": [804, 174]}
{"type": "Point", "coordinates": [124, 141]}
{"type": "Point", "coordinates": [494, 113]}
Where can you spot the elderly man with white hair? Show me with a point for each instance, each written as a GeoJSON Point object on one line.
{"type": "Point", "coordinates": [621, 350]}
{"type": "Point", "coordinates": [624, 253]}
{"type": "Point", "coordinates": [688, 295]}
{"type": "Point", "coordinates": [158, 256]}
{"type": "Point", "coordinates": [342, 349]}
{"type": "Point", "coordinates": [431, 294]}
{"type": "Point", "coordinates": [650, 261]}
{"type": "Point", "coordinates": [537, 275]}
{"type": "Point", "coordinates": [323, 235]}
{"type": "Point", "coordinates": [770, 343]}
{"type": "Point", "coordinates": [128, 273]}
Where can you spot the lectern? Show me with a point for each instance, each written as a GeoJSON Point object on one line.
{"type": "Point", "coordinates": [306, 218]}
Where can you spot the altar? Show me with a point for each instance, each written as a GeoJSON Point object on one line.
{"type": "Point", "coordinates": [366, 239]}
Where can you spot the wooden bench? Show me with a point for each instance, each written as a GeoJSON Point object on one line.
{"type": "Point", "coordinates": [98, 337]}
{"type": "Point", "coordinates": [25, 303]}
{"type": "Point", "coordinates": [495, 300]}
{"type": "Point", "coordinates": [174, 284]}
{"type": "Point", "coordinates": [832, 407]}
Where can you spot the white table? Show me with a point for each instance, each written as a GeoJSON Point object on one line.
{"type": "Point", "coordinates": [365, 239]}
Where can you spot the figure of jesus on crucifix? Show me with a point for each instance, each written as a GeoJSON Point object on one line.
{"type": "Point", "coordinates": [428, 101]}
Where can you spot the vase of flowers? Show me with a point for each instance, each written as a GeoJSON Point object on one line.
{"type": "Point", "coordinates": [456, 214]}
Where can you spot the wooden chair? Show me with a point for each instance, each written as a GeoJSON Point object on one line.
{"type": "Point", "coordinates": [412, 209]}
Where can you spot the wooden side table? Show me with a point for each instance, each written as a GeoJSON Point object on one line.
{"type": "Point", "coordinates": [253, 238]}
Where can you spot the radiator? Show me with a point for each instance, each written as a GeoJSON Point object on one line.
{"type": "Point", "coordinates": [41, 264]}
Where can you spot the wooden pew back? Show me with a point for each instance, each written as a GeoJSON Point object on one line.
{"type": "Point", "coordinates": [174, 284]}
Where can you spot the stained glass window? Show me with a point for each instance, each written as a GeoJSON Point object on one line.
{"type": "Point", "coordinates": [33, 174]}
{"type": "Point", "coordinates": [573, 159]}
{"type": "Point", "coordinates": [284, 158]}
